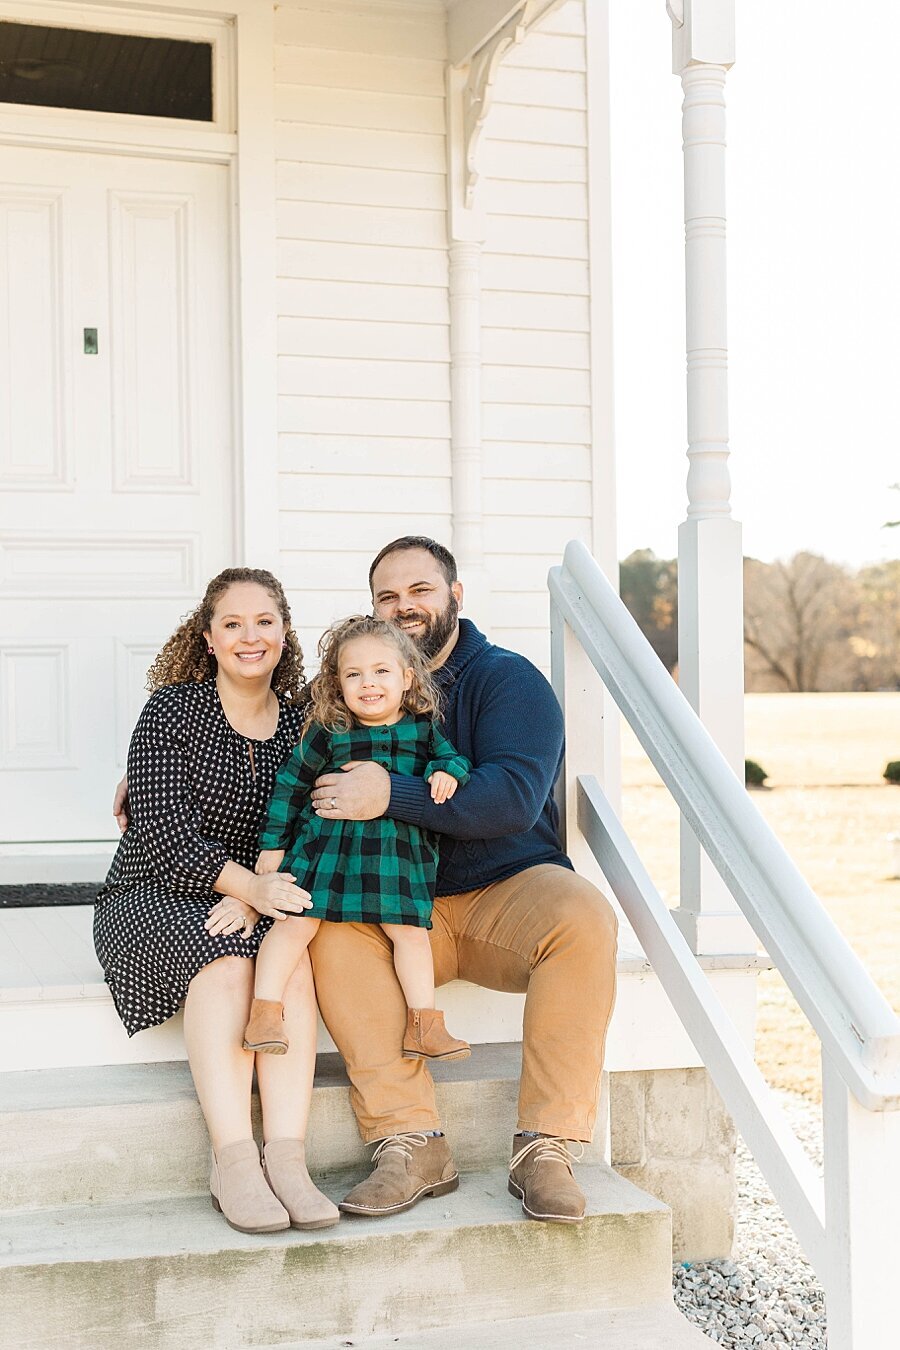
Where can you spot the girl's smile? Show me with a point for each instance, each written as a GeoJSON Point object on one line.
{"type": "Point", "coordinates": [373, 681]}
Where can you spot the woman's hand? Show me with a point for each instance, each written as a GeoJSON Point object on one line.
{"type": "Point", "coordinates": [231, 915]}
{"type": "Point", "coordinates": [277, 895]}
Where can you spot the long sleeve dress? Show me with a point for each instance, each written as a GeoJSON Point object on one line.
{"type": "Point", "coordinates": [361, 871]}
{"type": "Point", "coordinates": [197, 791]}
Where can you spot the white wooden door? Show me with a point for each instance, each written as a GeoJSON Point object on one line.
{"type": "Point", "coordinates": [116, 458]}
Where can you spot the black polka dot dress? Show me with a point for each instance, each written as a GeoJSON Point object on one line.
{"type": "Point", "coordinates": [198, 792]}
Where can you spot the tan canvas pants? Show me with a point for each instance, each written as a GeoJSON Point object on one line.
{"type": "Point", "coordinates": [545, 932]}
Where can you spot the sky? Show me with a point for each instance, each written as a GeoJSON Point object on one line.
{"type": "Point", "coordinates": [813, 190]}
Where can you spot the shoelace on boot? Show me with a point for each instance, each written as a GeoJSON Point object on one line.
{"type": "Point", "coordinates": [548, 1150]}
{"type": "Point", "coordinates": [400, 1143]}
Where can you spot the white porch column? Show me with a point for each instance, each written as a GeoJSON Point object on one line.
{"type": "Point", "coordinates": [710, 586]}
{"type": "Point", "coordinates": [465, 222]}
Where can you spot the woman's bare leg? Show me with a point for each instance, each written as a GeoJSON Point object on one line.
{"type": "Point", "coordinates": [285, 1081]}
{"type": "Point", "coordinates": [215, 1014]}
{"type": "Point", "coordinates": [279, 954]}
{"type": "Point", "coordinates": [413, 963]}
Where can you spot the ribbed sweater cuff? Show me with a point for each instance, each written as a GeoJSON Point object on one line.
{"type": "Point", "coordinates": [407, 798]}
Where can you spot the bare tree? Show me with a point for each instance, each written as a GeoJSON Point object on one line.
{"type": "Point", "coordinates": [799, 617]}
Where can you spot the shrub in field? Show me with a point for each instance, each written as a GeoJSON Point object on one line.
{"type": "Point", "coordinates": [892, 771]}
{"type": "Point", "coordinates": [754, 774]}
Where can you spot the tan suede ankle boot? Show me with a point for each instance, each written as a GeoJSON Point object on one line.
{"type": "Point", "coordinates": [284, 1163]}
{"type": "Point", "coordinates": [265, 1030]}
{"type": "Point", "coordinates": [427, 1037]}
{"type": "Point", "coordinates": [240, 1193]}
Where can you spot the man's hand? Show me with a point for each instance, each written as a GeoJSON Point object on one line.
{"type": "Point", "coordinates": [269, 861]}
{"type": "Point", "coordinates": [230, 915]}
{"type": "Point", "coordinates": [120, 805]}
{"type": "Point", "coordinates": [443, 786]}
{"type": "Point", "coordinates": [361, 791]}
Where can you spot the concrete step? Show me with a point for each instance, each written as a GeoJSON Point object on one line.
{"type": "Point", "coordinates": [171, 1275]}
{"type": "Point", "coordinates": [56, 1012]}
{"type": "Point", "coordinates": [82, 1136]}
{"type": "Point", "coordinates": [657, 1327]}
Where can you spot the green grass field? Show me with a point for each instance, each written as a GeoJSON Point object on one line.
{"type": "Point", "coordinates": [827, 802]}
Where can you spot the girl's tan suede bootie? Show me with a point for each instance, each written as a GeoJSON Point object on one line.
{"type": "Point", "coordinates": [265, 1030]}
{"type": "Point", "coordinates": [284, 1163]}
{"type": "Point", "coordinates": [239, 1191]}
{"type": "Point", "coordinates": [427, 1037]}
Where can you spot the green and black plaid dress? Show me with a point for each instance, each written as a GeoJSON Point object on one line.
{"type": "Point", "coordinates": [360, 871]}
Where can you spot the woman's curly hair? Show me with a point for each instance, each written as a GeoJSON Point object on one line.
{"type": "Point", "coordinates": [185, 657]}
{"type": "Point", "coordinates": [327, 706]}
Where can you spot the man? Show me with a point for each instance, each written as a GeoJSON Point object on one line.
{"type": "Point", "coordinates": [509, 914]}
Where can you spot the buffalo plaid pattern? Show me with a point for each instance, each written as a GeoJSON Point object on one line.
{"type": "Point", "coordinates": [360, 871]}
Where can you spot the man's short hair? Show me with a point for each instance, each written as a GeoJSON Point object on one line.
{"type": "Point", "coordinates": [442, 556]}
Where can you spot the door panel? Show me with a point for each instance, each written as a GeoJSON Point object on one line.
{"type": "Point", "coordinates": [116, 458]}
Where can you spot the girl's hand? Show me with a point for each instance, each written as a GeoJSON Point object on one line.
{"type": "Point", "coordinates": [269, 860]}
{"type": "Point", "coordinates": [231, 915]}
{"type": "Point", "coordinates": [443, 786]}
{"type": "Point", "coordinates": [277, 895]}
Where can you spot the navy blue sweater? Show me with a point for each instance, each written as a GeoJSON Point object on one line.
{"type": "Point", "coordinates": [500, 712]}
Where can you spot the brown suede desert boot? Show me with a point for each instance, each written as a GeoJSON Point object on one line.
{"type": "Point", "coordinates": [540, 1174]}
{"type": "Point", "coordinates": [407, 1166]}
{"type": "Point", "coordinates": [427, 1037]}
{"type": "Point", "coordinates": [265, 1030]}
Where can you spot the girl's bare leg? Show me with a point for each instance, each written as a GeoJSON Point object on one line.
{"type": "Point", "coordinates": [215, 1014]}
{"type": "Point", "coordinates": [285, 1081]}
{"type": "Point", "coordinates": [279, 954]}
{"type": "Point", "coordinates": [413, 963]}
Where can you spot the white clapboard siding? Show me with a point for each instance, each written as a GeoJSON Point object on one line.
{"type": "Point", "coordinates": [355, 186]}
{"type": "Point", "coordinates": [538, 486]}
{"type": "Point", "coordinates": [366, 532]}
{"type": "Point", "coordinates": [355, 455]}
{"type": "Point", "coordinates": [362, 416]}
{"type": "Point", "coordinates": [533, 384]}
{"type": "Point", "coordinates": [359, 147]}
{"type": "Point", "coordinates": [342, 566]}
{"type": "Point", "coordinates": [333, 377]}
{"type": "Point", "coordinates": [363, 305]}
{"type": "Point", "coordinates": [355, 108]}
{"type": "Point", "coordinates": [518, 497]}
{"type": "Point", "coordinates": [370, 493]}
{"type": "Point", "coordinates": [361, 29]}
{"type": "Point", "coordinates": [535, 347]}
{"type": "Point", "coordinates": [549, 51]}
{"type": "Point", "coordinates": [517, 460]}
{"type": "Point", "coordinates": [363, 370]}
{"type": "Point", "coordinates": [331, 299]}
{"type": "Point", "coordinates": [395, 226]}
{"type": "Point", "coordinates": [515, 309]}
{"type": "Point", "coordinates": [380, 263]}
{"type": "Point", "coordinates": [329, 69]}
{"type": "Point", "coordinates": [395, 341]}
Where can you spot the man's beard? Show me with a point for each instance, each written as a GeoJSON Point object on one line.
{"type": "Point", "coordinates": [438, 627]}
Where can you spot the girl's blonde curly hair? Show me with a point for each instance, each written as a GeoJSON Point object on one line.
{"type": "Point", "coordinates": [185, 657]}
{"type": "Point", "coordinates": [327, 706]}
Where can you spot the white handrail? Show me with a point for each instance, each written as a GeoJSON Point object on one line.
{"type": "Point", "coordinates": [853, 1020]}
{"type": "Point", "coordinates": [715, 1037]}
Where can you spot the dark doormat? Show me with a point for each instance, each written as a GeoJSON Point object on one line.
{"type": "Point", "coordinates": [36, 893]}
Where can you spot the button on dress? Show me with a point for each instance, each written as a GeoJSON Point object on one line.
{"type": "Point", "coordinates": [197, 791]}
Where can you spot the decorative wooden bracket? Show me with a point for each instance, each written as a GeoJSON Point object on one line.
{"type": "Point", "coordinates": [483, 67]}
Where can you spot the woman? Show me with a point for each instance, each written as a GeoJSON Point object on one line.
{"type": "Point", "coordinates": [224, 712]}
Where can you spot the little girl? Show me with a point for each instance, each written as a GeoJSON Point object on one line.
{"type": "Point", "coordinates": [372, 699]}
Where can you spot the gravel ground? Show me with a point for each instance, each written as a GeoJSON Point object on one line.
{"type": "Point", "coordinates": [767, 1295]}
